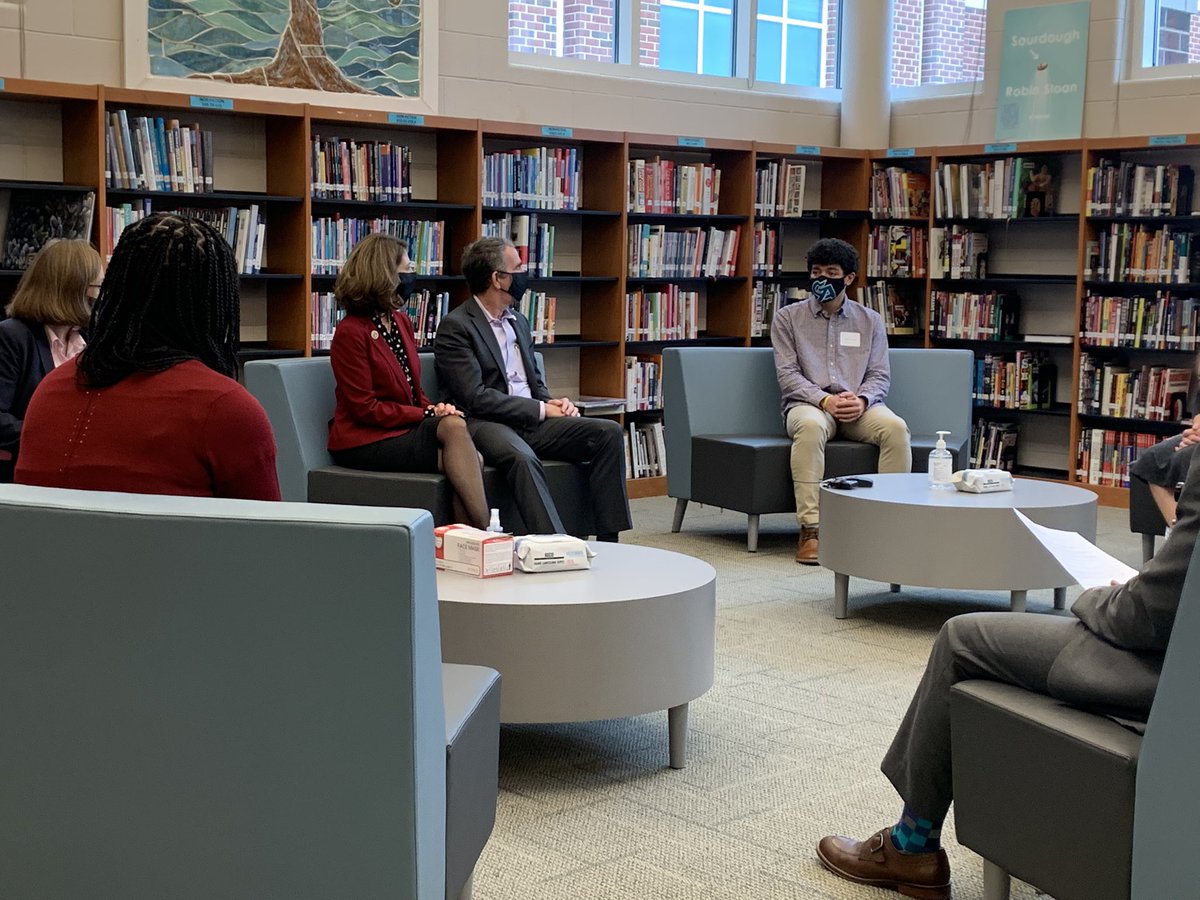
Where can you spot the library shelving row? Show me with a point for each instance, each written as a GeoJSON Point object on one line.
{"type": "Point", "coordinates": [1038, 256]}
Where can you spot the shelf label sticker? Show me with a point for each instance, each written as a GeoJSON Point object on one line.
{"type": "Point", "coordinates": [556, 131]}
{"type": "Point", "coordinates": [691, 142]}
{"type": "Point", "coordinates": [1, 84]}
{"type": "Point", "coordinates": [808, 150]}
{"type": "Point", "coordinates": [211, 102]}
{"type": "Point", "coordinates": [1000, 148]}
{"type": "Point", "coordinates": [1167, 140]}
{"type": "Point", "coordinates": [901, 152]}
{"type": "Point", "coordinates": [405, 119]}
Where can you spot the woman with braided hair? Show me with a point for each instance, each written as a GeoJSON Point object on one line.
{"type": "Point", "coordinates": [383, 421]}
{"type": "Point", "coordinates": [151, 406]}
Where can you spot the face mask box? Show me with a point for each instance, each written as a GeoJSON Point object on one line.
{"type": "Point", "coordinates": [481, 554]}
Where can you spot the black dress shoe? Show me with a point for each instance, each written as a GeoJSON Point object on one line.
{"type": "Point", "coordinates": [609, 537]}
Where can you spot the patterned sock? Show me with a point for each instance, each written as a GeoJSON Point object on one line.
{"type": "Point", "coordinates": [912, 834]}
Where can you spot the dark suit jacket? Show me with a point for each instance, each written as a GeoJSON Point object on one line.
{"type": "Point", "coordinates": [470, 368]}
{"type": "Point", "coordinates": [1115, 661]}
{"type": "Point", "coordinates": [24, 361]}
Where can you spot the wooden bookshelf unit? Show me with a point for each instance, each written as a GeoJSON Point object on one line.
{"type": "Point", "coordinates": [264, 158]}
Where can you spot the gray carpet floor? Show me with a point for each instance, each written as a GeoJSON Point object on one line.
{"type": "Point", "coordinates": [783, 749]}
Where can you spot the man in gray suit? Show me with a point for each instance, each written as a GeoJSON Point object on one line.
{"type": "Point", "coordinates": [1107, 658]}
{"type": "Point", "coordinates": [485, 364]}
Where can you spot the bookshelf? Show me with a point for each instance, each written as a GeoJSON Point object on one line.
{"type": "Point", "coordinates": [896, 258]}
{"type": "Point", "coordinates": [1004, 279]}
{"type": "Point", "coordinates": [262, 156]}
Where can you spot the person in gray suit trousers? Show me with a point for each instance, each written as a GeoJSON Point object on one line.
{"type": "Point", "coordinates": [485, 364]}
{"type": "Point", "coordinates": [1107, 659]}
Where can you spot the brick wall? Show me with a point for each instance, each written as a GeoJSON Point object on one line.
{"type": "Point", "coordinates": [588, 27]}
{"type": "Point", "coordinates": [533, 27]}
{"type": "Point", "coordinates": [1178, 37]}
{"type": "Point", "coordinates": [832, 8]}
{"type": "Point", "coordinates": [649, 31]}
{"type": "Point", "coordinates": [937, 42]}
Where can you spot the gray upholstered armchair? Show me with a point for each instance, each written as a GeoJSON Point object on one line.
{"type": "Point", "coordinates": [726, 443]}
{"type": "Point", "coordinates": [235, 699]}
{"type": "Point", "coordinates": [1075, 804]}
{"type": "Point", "coordinates": [298, 397]}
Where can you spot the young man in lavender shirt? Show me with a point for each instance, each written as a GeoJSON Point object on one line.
{"type": "Point", "coordinates": [831, 358]}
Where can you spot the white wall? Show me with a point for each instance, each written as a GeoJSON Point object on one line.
{"type": "Point", "coordinates": [1112, 108]}
{"type": "Point", "coordinates": [81, 41]}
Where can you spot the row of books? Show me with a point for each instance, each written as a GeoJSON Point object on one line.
{"type": "Point", "coordinates": [534, 240]}
{"type": "Point", "coordinates": [1003, 188]}
{"type": "Point", "coordinates": [645, 450]}
{"type": "Point", "coordinates": [898, 193]}
{"type": "Point", "coordinates": [1022, 380]}
{"type": "Point", "coordinates": [768, 250]}
{"type": "Point", "coordinates": [378, 171]}
{"type": "Point", "coordinates": [993, 445]}
{"type": "Point", "coordinates": [533, 178]}
{"type": "Point", "coordinates": [965, 316]}
{"type": "Point", "coordinates": [767, 300]}
{"type": "Point", "coordinates": [243, 229]}
{"type": "Point", "coordinates": [333, 238]}
{"type": "Point", "coordinates": [1165, 321]}
{"type": "Point", "coordinates": [1140, 253]}
{"type": "Point", "coordinates": [779, 188]}
{"type": "Point", "coordinates": [1154, 393]}
{"type": "Point", "coordinates": [643, 383]}
{"type": "Point", "coordinates": [1116, 187]}
{"type": "Point", "coordinates": [425, 310]}
{"type": "Point", "coordinates": [665, 186]}
{"type": "Point", "coordinates": [150, 153]}
{"type": "Point", "coordinates": [958, 252]}
{"type": "Point", "coordinates": [1104, 455]}
{"type": "Point", "coordinates": [664, 315]}
{"type": "Point", "coordinates": [540, 309]}
{"type": "Point", "coordinates": [654, 251]}
{"type": "Point", "coordinates": [898, 311]}
{"type": "Point", "coordinates": [897, 251]}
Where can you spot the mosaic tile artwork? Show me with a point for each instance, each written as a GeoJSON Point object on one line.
{"type": "Point", "coordinates": [350, 46]}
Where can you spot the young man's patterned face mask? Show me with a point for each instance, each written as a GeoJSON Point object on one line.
{"type": "Point", "coordinates": [826, 290]}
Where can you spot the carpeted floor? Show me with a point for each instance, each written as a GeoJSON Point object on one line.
{"type": "Point", "coordinates": [784, 749]}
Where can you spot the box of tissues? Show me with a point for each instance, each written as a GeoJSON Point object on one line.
{"type": "Point", "coordinates": [551, 553]}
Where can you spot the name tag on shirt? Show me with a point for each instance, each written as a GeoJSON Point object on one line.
{"type": "Point", "coordinates": [850, 339]}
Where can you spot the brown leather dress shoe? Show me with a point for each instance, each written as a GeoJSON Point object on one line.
{"type": "Point", "coordinates": [806, 550]}
{"type": "Point", "coordinates": [876, 861]}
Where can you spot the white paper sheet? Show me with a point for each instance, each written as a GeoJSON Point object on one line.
{"type": "Point", "coordinates": [1084, 561]}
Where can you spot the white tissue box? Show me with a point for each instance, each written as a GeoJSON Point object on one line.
{"type": "Point", "coordinates": [552, 553]}
{"type": "Point", "coordinates": [983, 481]}
{"type": "Point", "coordinates": [484, 554]}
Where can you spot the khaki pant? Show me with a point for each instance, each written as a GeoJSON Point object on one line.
{"type": "Point", "coordinates": [810, 428]}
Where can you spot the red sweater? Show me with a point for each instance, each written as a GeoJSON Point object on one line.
{"type": "Point", "coordinates": [187, 430]}
{"type": "Point", "coordinates": [373, 398]}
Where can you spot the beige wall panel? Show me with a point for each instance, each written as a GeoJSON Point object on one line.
{"type": "Point", "coordinates": [55, 57]}
{"type": "Point", "coordinates": [99, 19]}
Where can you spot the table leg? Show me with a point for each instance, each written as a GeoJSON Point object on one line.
{"type": "Point", "coordinates": [1060, 598]}
{"type": "Point", "coordinates": [895, 588]}
{"type": "Point", "coordinates": [1018, 601]}
{"type": "Point", "coordinates": [841, 592]}
{"type": "Point", "coordinates": [677, 717]}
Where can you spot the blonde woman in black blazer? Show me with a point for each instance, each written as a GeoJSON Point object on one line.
{"type": "Point", "coordinates": [48, 312]}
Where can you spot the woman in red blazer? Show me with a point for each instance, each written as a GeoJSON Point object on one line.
{"type": "Point", "coordinates": [383, 420]}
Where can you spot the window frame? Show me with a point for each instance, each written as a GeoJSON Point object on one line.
{"type": "Point", "coordinates": [785, 22]}
{"type": "Point", "coordinates": [1139, 41]}
{"type": "Point", "coordinates": [626, 42]}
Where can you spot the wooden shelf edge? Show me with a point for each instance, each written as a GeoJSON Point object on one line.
{"type": "Point", "coordinates": [637, 488]}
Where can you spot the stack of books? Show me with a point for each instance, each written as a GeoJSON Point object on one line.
{"type": "Point", "coordinates": [654, 251]}
{"type": "Point", "coordinates": [534, 240]}
{"type": "Point", "coordinates": [243, 229]}
{"type": "Point", "coordinates": [990, 316]}
{"type": "Point", "coordinates": [334, 237]}
{"type": "Point", "coordinates": [1006, 188]}
{"type": "Point", "coordinates": [1165, 321]}
{"type": "Point", "coordinates": [665, 186]}
{"type": "Point", "coordinates": [1153, 393]}
{"type": "Point", "coordinates": [156, 154]}
{"type": "Point", "coordinates": [532, 178]}
{"type": "Point", "coordinates": [375, 171]}
{"type": "Point", "coordinates": [779, 188]}
{"type": "Point", "coordinates": [665, 315]}
{"type": "Point", "coordinates": [1118, 188]}
{"type": "Point", "coordinates": [898, 193]}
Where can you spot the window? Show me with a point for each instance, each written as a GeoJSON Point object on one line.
{"type": "Point", "coordinates": [937, 41]}
{"type": "Point", "coordinates": [1170, 32]}
{"type": "Point", "coordinates": [791, 36]}
{"type": "Point", "coordinates": [772, 42]}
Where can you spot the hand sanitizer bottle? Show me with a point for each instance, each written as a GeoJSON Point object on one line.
{"type": "Point", "coordinates": [494, 524]}
{"type": "Point", "coordinates": [941, 463]}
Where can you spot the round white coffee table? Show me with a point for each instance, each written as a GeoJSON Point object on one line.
{"type": "Point", "coordinates": [632, 635]}
{"type": "Point", "coordinates": [902, 531]}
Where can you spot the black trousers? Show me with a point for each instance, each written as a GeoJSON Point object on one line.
{"type": "Point", "coordinates": [518, 455]}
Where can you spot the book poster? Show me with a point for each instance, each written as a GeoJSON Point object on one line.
{"type": "Point", "coordinates": [1043, 69]}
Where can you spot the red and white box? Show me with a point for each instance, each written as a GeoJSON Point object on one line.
{"type": "Point", "coordinates": [482, 554]}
